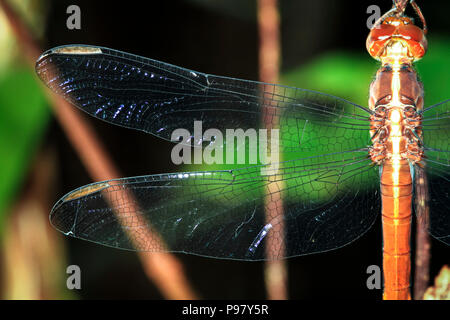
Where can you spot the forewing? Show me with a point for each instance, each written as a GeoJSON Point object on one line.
{"type": "Point", "coordinates": [158, 97]}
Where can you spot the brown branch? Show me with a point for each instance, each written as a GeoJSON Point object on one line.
{"type": "Point", "coordinates": [269, 59]}
{"type": "Point", "coordinates": [164, 269]}
{"type": "Point", "coordinates": [269, 41]}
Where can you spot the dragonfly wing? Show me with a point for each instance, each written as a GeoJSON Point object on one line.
{"type": "Point", "coordinates": [436, 126]}
{"type": "Point", "coordinates": [157, 97]}
{"type": "Point", "coordinates": [327, 202]}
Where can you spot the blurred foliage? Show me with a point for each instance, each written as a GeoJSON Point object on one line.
{"type": "Point", "coordinates": [32, 14]}
{"type": "Point", "coordinates": [441, 288]}
{"type": "Point", "coordinates": [23, 118]}
{"type": "Point", "coordinates": [434, 70]}
{"type": "Point", "coordinates": [31, 11]}
{"type": "Point", "coordinates": [343, 74]}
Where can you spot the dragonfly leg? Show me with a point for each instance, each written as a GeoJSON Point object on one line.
{"type": "Point", "coordinates": [380, 132]}
{"type": "Point", "coordinates": [413, 132]}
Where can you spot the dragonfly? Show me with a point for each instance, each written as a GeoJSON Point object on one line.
{"type": "Point", "coordinates": [341, 163]}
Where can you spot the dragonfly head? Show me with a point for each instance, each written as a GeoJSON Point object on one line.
{"type": "Point", "coordinates": [393, 31]}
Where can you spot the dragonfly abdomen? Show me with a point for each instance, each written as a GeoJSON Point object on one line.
{"type": "Point", "coordinates": [396, 195]}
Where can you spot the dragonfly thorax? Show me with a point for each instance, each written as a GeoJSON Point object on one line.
{"type": "Point", "coordinates": [396, 134]}
{"type": "Point", "coordinates": [399, 85]}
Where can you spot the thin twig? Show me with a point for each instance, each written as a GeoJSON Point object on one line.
{"type": "Point", "coordinates": [269, 58]}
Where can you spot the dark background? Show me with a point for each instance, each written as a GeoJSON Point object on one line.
{"type": "Point", "coordinates": [218, 37]}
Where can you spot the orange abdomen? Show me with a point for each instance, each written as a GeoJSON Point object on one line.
{"type": "Point", "coordinates": [396, 192]}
